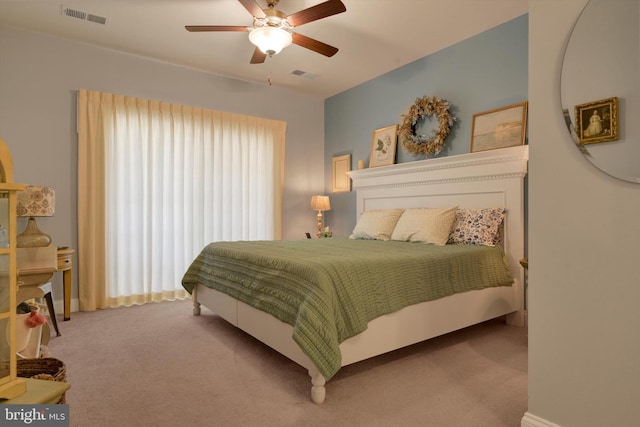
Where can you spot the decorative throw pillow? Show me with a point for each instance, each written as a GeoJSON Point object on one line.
{"type": "Point", "coordinates": [426, 225]}
{"type": "Point", "coordinates": [477, 226]}
{"type": "Point", "coordinates": [376, 224]}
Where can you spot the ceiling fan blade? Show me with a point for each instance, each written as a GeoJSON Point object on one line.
{"type": "Point", "coordinates": [319, 11]}
{"type": "Point", "coordinates": [314, 45]}
{"type": "Point", "coordinates": [198, 28]}
{"type": "Point", "coordinates": [258, 57]}
{"type": "Point", "coordinates": [253, 8]}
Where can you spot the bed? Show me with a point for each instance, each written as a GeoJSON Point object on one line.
{"type": "Point", "coordinates": [333, 323]}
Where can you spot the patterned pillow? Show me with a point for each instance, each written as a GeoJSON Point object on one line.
{"type": "Point", "coordinates": [477, 226]}
{"type": "Point", "coordinates": [376, 224]}
{"type": "Point", "coordinates": [425, 225]}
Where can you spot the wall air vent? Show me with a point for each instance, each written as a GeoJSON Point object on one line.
{"type": "Point", "coordinates": [97, 19]}
{"type": "Point", "coordinates": [84, 16]}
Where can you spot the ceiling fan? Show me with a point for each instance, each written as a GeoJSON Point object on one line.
{"type": "Point", "coordinates": [272, 30]}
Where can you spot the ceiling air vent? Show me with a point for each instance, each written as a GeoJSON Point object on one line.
{"type": "Point", "coordinates": [304, 74]}
{"type": "Point", "coordinates": [84, 16]}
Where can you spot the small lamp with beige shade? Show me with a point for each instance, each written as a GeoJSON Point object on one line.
{"type": "Point", "coordinates": [320, 204]}
{"type": "Point", "coordinates": [35, 201]}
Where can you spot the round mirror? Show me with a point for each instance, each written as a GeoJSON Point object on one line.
{"type": "Point", "coordinates": [599, 86]}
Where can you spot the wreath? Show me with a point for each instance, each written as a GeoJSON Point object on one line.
{"type": "Point", "coordinates": [423, 107]}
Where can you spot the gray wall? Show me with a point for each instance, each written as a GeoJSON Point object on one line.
{"type": "Point", "coordinates": [584, 280]}
{"type": "Point", "coordinates": [39, 77]}
{"type": "Point", "coordinates": [481, 73]}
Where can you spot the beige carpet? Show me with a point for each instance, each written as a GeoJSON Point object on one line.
{"type": "Point", "coordinates": [158, 365]}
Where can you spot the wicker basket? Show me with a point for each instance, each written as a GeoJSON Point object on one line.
{"type": "Point", "coordinates": [44, 368]}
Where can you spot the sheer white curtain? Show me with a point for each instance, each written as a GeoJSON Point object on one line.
{"type": "Point", "coordinates": [159, 181]}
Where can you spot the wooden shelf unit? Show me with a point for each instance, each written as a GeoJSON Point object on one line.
{"type": "Point", "coordinates": [10, 385]}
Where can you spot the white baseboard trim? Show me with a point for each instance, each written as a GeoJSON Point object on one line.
{"type": "Point", "coordinates": [530, 420]}
{"type": "Point", "coordinates": [58, 306]}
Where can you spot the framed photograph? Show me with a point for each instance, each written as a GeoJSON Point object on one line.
{"type": "Point", "coordinates": [499, 128]}
{"type": "Point", "coordinates": [597, 121]}
{"type": "Point", "coordinates": [383, 146]}
{"type": "Point", "coordinates": [340, 181]}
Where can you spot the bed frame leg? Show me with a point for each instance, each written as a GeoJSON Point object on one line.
{"type": "Point", "coordinates": [196, 304]}
{"type": "Point", "coordinates": [517, 318]}
{"type": "Point", "coordinates": [318, 391]}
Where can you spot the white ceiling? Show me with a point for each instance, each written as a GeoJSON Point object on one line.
{"type": "Point", "coordinates": [374, 36]}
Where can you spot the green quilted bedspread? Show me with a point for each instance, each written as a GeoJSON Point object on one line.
{"type": "Point", "coordinates": [329, 289]}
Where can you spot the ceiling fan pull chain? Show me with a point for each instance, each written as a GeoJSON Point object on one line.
{"type": "Point", "coordinates": [269, 78]}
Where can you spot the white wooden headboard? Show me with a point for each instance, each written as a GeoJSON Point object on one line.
{"type": "Point", "coordinates": [492, 178]}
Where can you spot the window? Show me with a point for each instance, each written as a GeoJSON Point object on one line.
{"type": "Point", "coordinates": [159, 181]}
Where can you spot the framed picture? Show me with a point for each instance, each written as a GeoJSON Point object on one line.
{"type": "Point", "coordinates": [383, 146]}
{"type": "Point", "coordinates": [340, 181]}
{"type": "Point", "coordinates": [499, 128]}
{"type": "Point", "coordinates": [597, 121]}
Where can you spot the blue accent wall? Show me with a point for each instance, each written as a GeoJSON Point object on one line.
{"type": "Point", "coordinates": [487, 71]}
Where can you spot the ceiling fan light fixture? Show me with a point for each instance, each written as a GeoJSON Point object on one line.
{"type": "Point", "coordinates": [270, 40]}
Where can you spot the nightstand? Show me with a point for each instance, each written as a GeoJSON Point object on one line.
{"type": "Point", "coordinates": [65, 265]}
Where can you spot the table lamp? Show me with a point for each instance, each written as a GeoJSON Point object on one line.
{"type": "Point", "coordinates": [320, 204]}
{"type": "Point", "coordinates": [35, 201]}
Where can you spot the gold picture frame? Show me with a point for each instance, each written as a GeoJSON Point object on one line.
{"type": "Point", "coordinates": [340, 180]}
{"type": "Point", "coordinates": [499, 128]}
{"type": "Point", "coordinates": [597, 121]}
{"type": "Point", "coordinates": [383, 146]}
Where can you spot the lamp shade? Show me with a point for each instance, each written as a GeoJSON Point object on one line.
{"type": "Point", "coordinates": [320, 203]}
{"type": "Point", "coordinates": [36, 200]}
{"type": "Point", "coordinates": [270, 40]}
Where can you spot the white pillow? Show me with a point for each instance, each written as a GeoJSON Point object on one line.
{"type": "Point", "coordinates": [376, 224]}
{"type": "Point", "coordinates": [426, 225]}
